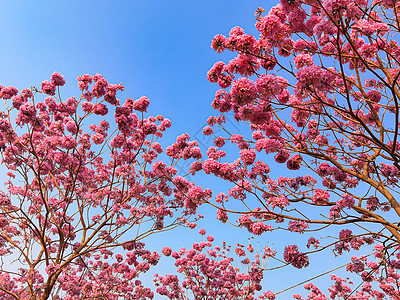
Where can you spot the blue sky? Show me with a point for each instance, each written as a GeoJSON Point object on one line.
{"type": "Point", "coordinates": [160, 49]}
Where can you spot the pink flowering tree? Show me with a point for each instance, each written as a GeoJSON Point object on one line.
{"type": "Point", "coordinates": [318, 90]}
{"type": "Point", "coordinates": [84, 188]}
{"type": "Point", "coordinates": [215, 272]}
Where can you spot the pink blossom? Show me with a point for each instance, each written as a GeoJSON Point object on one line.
{"type": "Point", "coordinates": [346, 202]}
{"type": "Point", "coordinates": [196, 193]}
{"type": "Point", "coordinates": [71, 127]}
{"type": "Point", "coordinates": [303, 60]}
{"type": "Point", "coordinates": [294, 162]}
{"type": "Point", "coordinates": [84, 81]}
{"type": "Point", "coordinates": [270, 85]}
{"type": "Point", "coordinates": [166, 251]}
{"type": "Point", "coordinates": [57, 79]}
{"type": "Point", "coordinates": [218, 43]}
{"type": "Point", "coordinates": [345, 234]}
{"type": "Point", "coordinates": [100, 85]}
{"type": "Point", "coordinates": [248, 156]}
{"type": "Point", "coordinates": [282, 156]}
{"type": "Point", "coordinates": [320, 196]}
{"type": "Point", "coordinates": [314, 76]}
{"type": "Point", "coordinates": [219, 141]}
{"type": "Point", "coordinates": [48, 88]}
{"type": "Point", "coordinates": [292, 255]}
{"type": "Point", "coordinates": [87, 106]}
{"type": "Point", "coordinates": [243, 91]}
{"type": "Point", "coordinates": [69, 142]}
{"type": "Point", "coordinates": [141, 104]}
{"type": "Point", "coordinates": [272, 28]}
{"type": "Point", "coordinates": [296, 226]}
{"type": "Point", "coordinates": [243, 64]}
{"type": "Point", "coordinates": [207, 130]}
{"type": "Point", "coordinates": [374, 96]}
{"type": "Point", "coordinates": [8, 92]}
{"type": "Point", "coordinates": [222, 215]}
{"type": "Point", "coordinates": [312, 242]}
{"type": "Point", "coordinates": [257, 135]}
{"type": "Point", "coordinates": [260, 227]}
{"type": "Point", "coordinates": [100, 109]}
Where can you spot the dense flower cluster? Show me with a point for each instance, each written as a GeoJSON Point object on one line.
{"type": "Point", "coordinates": [211, 273]}
{"type": "Point", "coordinates": [85, 189]}
{"type": "Point", "coordinates": [337, 117]}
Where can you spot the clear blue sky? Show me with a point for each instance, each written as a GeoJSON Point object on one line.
{"type": "Point", "coordinates": [159, 48]}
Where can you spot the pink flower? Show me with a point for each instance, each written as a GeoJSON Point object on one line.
{"type": "Point", "coordinates": [27, 113]}
{"type": "Point", "coordinates": [100, 85]}
{"type": "Point", "coordinates": [202, 231]}
{"type": "Point", "coordinates": [272, 28]}
{"type": "Point", "coordinates": [248, 156]}
{"type": "Point", "coordinates": [8, 92]}
{"type": "Point", "coordinates": [71, 127]}
{"type": "Point", "coordinates": [292, 255]}
{"type": "Point", "coordinates": [270, 145]}
{"type": "Point", "coordinates": [294, 162]}
{"type": "Point", "coordinates": [346, 202]}
{"type": "Point", "coordinates": [282, 156]}
{"type": "Point", "coordinates": [221, 197]}
{"type": "Point", "coordinates": [119, 257]}
{"type": "Point", "coordinates": [345, 234]}
{"type": "Point", "coordinates": [207, 130]}
{"type": "Point", "coordinates": [97, 138]}
{"type": "Point", "coordinates": [166, 251]}
{"type": "Point", "coordinates": [215, 71]}
{"type": "Point", "coordinates": [312, 242]}
{"type": "Point", "coordinates": [334, 213]}
{"type": "Point", "coordinates": [313, 78]}
{"type": "Point", "coordinates": [257, 135]}
{"type": "Point", "coordinates": [51, 269]}
{"type": "Point", "coordinates": [243, 64]}
{"type": "Point", "coordinates": [100, 109]}
{"type": "Point", "coordinates": [69, 142]}
{"type": "Point", "coordinates": [270, 85]}
{"type": "Point", "coordinates": [141, 104]}
{"type": "Point", "coordinates": [260, 227]}
{"type": "Point", "coordinates": [269, 295]}
{"type": "Point", "coordinates": [196, 193]}
{"type": "Point", "coordinates": [281, 201]}
{"type": "Point", "coordinates": [324, 169]}
{"type": "Point", "coordinates": [297, 226]}
{"type": "Point", "coordinates": [48, 88]}
{"type": "Point", "coordinates": [320, 196]}
{"type": "Point", "coordinates": [303, 60]}
{"type": "Point", "coordinates": [268, 63]}
{"type": "Point", "coordinates": [243, 91]}
{"type": "Point", "coordinates": [222, 215]}
{"type": "Point", "coordinates": [219, 141]}
{"type": "Point", "coordinates": [87, 106]}
{"type": "Point", "coordinates": [84, 81]}
{"type": "Point", "coordinates": [57, 79]}
{"type": "Point", "coordinates": [218, 42]}
{"type": "Point", "coordinates": [374, 96]}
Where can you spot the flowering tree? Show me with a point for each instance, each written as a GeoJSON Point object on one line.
{"type": "Point", "coordinates": [212, 272]}
{"type": "Point", "coordinates": [319, 89]}
{"type": "Point", "coordinates": [81, 192]}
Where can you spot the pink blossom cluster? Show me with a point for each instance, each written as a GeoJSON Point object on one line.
{"type": "Point", "coordinates": [211, 272]}
{"type": "Point", "coordinates": [83, 185]}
